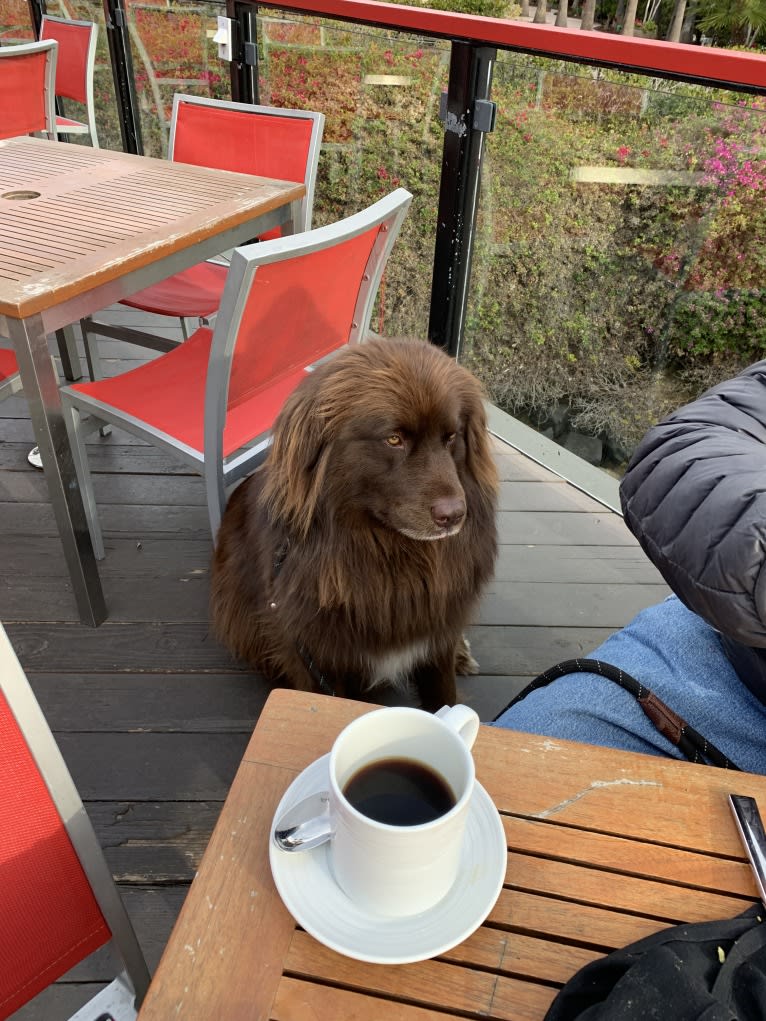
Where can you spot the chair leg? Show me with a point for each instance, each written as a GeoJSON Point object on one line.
{"type": "Point", "coordinates": [216, 498]}
{"type": "Point", "coordinates": [184, 329]}
{"type": "Point", "coordinates": [92, 356]}
{"type": "Point", "coordinates": [84, 479]}
{"type": "Point", "coordinates": [93, 361]}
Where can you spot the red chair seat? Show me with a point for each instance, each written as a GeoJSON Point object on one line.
{"type": "Point", "coordinates": [193, 292]}
{"type": "Point", "coordinates": [168, 394]}
{"type": "Point", "coordinates": [8, 365]}
{"type": "Point", "coordinates": [67, 122]}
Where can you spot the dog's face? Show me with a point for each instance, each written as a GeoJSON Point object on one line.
{"type": "Point", "coordinates": [390, 432]}
{"type": "Point", "coordinates": [400, 461]}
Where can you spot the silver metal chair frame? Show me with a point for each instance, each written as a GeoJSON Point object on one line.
{"type": "Point", "coordinates": [125, 994]}
{"type": "Point", "coordinates": [78, 128]}
{"type": "Point", "coordinates": [301, 222]}
{"type": "Point", "coordinates": [219, 474]}
{"type": "Point", "coordinates": [9, 52]}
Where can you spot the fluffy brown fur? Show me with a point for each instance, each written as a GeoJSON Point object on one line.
{"type": "Point", "coordinates": [362, 543]}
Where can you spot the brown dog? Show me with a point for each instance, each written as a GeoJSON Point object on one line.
{"type": "Point", "coordinates": [356, 554]}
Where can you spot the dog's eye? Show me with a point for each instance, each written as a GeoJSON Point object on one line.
{"type": "Point", "coordinates": [394, 440]}
{"type": "Point", "coordinates": [449, 439]}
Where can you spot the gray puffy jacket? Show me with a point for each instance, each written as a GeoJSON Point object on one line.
{"type": "Point", "coordinates": [694, 495]}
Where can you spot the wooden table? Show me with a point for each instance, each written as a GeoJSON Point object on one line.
{"type": "Point", "coordinates": [81, 228]}
{"type": "Point", "coordinates": [604, 847]}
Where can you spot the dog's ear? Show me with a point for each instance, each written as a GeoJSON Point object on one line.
{"type": "Point", "coordinates": [297, 460]}
{"type": "Point", "coordinates": [479, 458]}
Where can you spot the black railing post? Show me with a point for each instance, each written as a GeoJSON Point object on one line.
{"type": "Point", "coordinates": [36, 11]}
{"type": "Point", "coordinates": [122, 71]}
{"type": "Point", "coordinates": [468, 115]}
{"type": "Point", "coordinates": [244, 66]}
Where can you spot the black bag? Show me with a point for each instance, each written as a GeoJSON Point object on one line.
{"type": "Point", "coordinates": [710, 971]}
{"type": "Point", "coordinates": [689, 741]}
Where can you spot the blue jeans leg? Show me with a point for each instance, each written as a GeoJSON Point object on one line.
{"type": "Point", "coordinates": [679, 657]}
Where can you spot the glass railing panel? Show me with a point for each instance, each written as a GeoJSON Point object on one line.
{"type": "Point", "coordinates": [379, 92]}
{"type": "Point", "coordinates": [619, 260]}
{"type": "Point", "coordinates": [15, 23]}
{"type": "Point", "coordinates": [172, 49]}
{"type": "Point", "coordinates": [619, 254]}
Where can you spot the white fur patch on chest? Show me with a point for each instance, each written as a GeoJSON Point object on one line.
{"type": "Point", "coordinates": [395, 667]}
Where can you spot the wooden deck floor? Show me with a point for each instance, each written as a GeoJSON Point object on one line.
{"type": "Point", "coordinates": [152, 715]}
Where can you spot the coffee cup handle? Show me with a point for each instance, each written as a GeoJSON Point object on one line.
{"type": "Point", "coordinates": [463, 720]}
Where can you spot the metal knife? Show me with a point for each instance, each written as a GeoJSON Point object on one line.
{"type": "Point", "coordinates": [750, 826]}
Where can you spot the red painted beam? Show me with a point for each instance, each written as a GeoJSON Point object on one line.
{"type": "Point", "coordinates": [734, 68]}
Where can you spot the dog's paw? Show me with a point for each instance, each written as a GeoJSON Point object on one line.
{"type": "Point", "coordinates": [465, 664]}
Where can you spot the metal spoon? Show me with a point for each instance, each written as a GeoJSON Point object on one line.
{"type": "Point", "coordinates": [306, 824]}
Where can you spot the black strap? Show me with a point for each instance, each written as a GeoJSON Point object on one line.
{"type": "Point", "coordinates": [689, 741]}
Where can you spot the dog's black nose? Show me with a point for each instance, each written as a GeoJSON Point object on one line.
{"type": "Point", "coordinates": [448, 511]}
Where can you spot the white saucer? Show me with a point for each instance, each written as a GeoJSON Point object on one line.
{"type": "Point", "coordinates": [306, 884]}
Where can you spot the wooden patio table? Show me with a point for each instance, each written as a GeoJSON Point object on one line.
{"type": "Point", "coordinates": [81, 228]}
{"type": "Point", "coordinates": [604, 847]}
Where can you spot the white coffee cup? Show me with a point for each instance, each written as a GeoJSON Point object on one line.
{"type": "Point", "coordinates": [399, 870]}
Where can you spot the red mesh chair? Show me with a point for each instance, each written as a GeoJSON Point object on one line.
{"type": "Point", "coordinates": [263, 140]}
{"type": "Point", "coordinates": [74, 70]}
{"type": "Point", "coordinates": [27, 96]}
{"type": "Point", "coordinates": [58, 901]}
{"type": "Point", "coordinates": [10, 380]}
{"type": "Point", "coordinates": [287, 304]}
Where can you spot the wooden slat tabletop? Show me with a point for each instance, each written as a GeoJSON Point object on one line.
{"type": "Point", "coordinates": [95, 215]}
{"type": "Point", "coordinates": [604, 847]}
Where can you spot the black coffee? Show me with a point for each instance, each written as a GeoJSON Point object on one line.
{"type": "Point", "coordinates": [400, 792]}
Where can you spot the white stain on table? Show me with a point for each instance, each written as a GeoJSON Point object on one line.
{"type": "Point", "coordinates": [594, 785]}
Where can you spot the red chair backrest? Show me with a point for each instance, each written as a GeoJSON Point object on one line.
{"type": "Point", "coordinates": [297, 311]}
{"type": "Point", "coordinates": [72, 63]}
{"type": "Point", "coordinates": [245, 142]}
{"type": "Point", "coordinates": [49, 918]}
{"type": "Point", "coordinates": [22, 92]}
{"type": "Point", "coordinates": [248, 143]}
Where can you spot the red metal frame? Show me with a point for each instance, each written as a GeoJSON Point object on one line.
{"type": "Point", "coordinates": [728, 68]}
